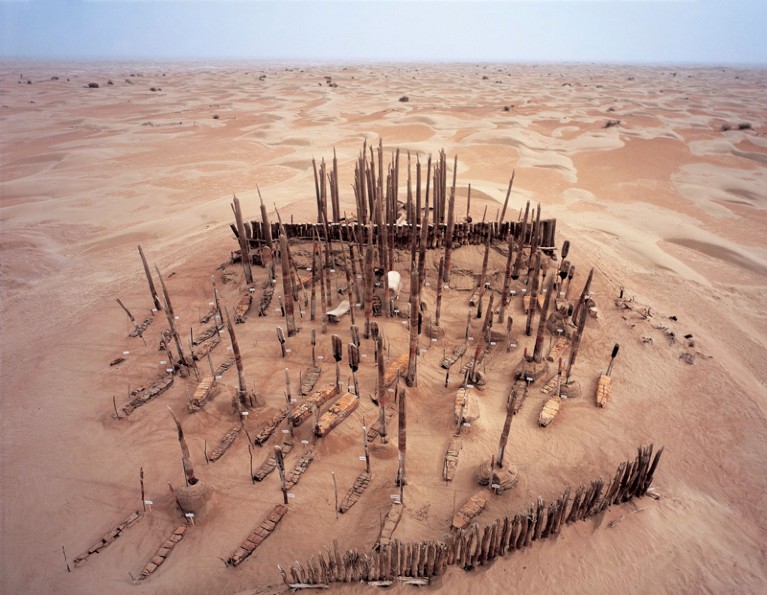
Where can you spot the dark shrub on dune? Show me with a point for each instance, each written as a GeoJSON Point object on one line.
{"type": "Point", "coordinates": [93, 85]}
{"type": "Point", "coordinates": [404, 99]}
{"type": "Point", "coordinates": [611, 123]}
{"type": "Point", "coordinates": [745, 126]}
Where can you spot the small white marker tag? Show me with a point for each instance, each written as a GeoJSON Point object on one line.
{"type": "Point", "coordinates": [292, 400]}
{"type": "Point", "coordinates": [309, 269]}
{"type": "Point", "coordinates": [469, 386]}
{"type": "Point", "coordinates": [492, 343]}
{"type": "Point", "coordinates": [176, 317]}
{"type": "Point", "coordinates": [466, 424]}
{"type": "Point", "coordinates": [394, 496]}
{"type": "Point", "coordinates": [148, 502]}
{"type": "Point", "coordinates": [168, 369]}
{"type": "Point", "coordinates": [218, 376]}
{"type": "Point", "coordinates": [304, 442]}
{"type": "Point", "coordinates": [211, 303]}
{"type": "Point", "coordinates": [277, 310]}
{"type": "Point", "coordinates": [154, 309]}
{"type": "Point", "coordinates": [163, 362]}
{"type": "Point", "coordinates": [358, 304]}
{"type": "Point", "coordinates": [320, 357]}
{"type": "Point", "coordinates": [126, 352]}
{"type": "Point", "coordinates": [359, 276]}
{"type": "Point", "coordinates": [529, 378]}
{"type": "Point", "coordinates": [189, 515]}
{"type": "Point", "coordinates": [286, 431]}
{"type": "Point", "coordinates": [426, 283]}
{"type": "Point", "coordinates": [496, 486]}
{"type": "Point", "coordinates": [433, 340]}
{"type": "Point", "coordinates": [404, 322]}
{"type": "Point", "coordinates": [396, 311]}
{"type": "Point", "coordinates": [364, 355]}
{"type": "Point", "coordinates": [471, 338]}
{"type": "Point", "coordinates": [291, 495]}
{"type": "Point", "coordinates": [512, 344]}
{"type": "Point", "coordinates": [362, 458]}
{"type": "Point", "coordinates": [288, 350]}
{"type": "Point", "coordinates": [391, 390]}
{"type": "Point", "coordinates": [244, 413]}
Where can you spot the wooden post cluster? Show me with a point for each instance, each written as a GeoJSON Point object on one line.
{"type": "Point", "coordinates": [473, 546]}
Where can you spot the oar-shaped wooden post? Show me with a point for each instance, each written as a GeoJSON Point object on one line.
{"type": "Point", "coordinates": [290, 318]}
{"type": "Point", "coordinates": [508, 194]}
{"type": "Point", "coordinates": [243, 391]}
{"type": "Point", "coordinates": [616, 347]}
{"type": "Point", "coordinates": [445, 275]}
{"type": "Point", "coordinates": [521, 245]}
{"type": "Point", "coordinates": [440, 287]}
{"type": "Point", "coordinates": [538, 349]}
{"type": "Point", "coordinates": [172, 323]}
{"type": "Point", "coordinates": [354, 363]}
{"type": "Point", "coordinates": [381, 393]}
{"type": "Point", "coordinates": [365, 446]}
{"type": "Point", "coordinates": [483, 276]}
{"type": "Point", "coordinates": [279, 457]}
{"type": "Point", "coordinates": [243, 240]}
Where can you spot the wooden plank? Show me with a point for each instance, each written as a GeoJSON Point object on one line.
{"type": "Point", "coordinates": [110, 537]}
{"type": "Point", "coordinates": [451, 458]}
{"type": "Point", "coordinates": [390, 523]}
{"type": "Point", "coordinates": [226, 441]}
{"type": "Point", "coordinates": [163, 552]}
{"type": "Point", "coordinates": [355, 492]}
{"type": "Point", "coordinates": [470, 510]}
{"type": "Point", "coordinates": [604, 389]}
{"type": "Point", "coordinates": [258, 535]}
{"type": "Point", "coordinates": [304, 410]}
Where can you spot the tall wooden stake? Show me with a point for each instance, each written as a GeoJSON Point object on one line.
{"type": "Point", "coordinates": [538, 349]}
{"type": "Point", "coordinates": [402, 439]}
{"type": "Point", "coordinates": [290, 318]}
{"type": "Point", "coordinates": [508, 194]}
{"type": "Point", "coordinates": [152, 291]}
{"type": "Point", "coordinates": [440, 287]}
{"type": "Point", "coordinates": [281, 468]}
{"type": "Point", "coordinates": [172, 323]}
{"type": "Point", "coordinates": [185, 458]}
{"type": "Point", "coordinates": [510, 406]}
{"type": "Point", "coordinates": [445, 277]}
{"type": "Point", "coordinates": [242, 393]}
{"type": "Point", "coordinates": [244, 242]}
{"type": "Point", "coordinates": [365, 446]}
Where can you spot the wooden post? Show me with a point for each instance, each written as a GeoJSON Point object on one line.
{"type": "Point", "coordinates": [185, 458]}
{"type": "Point", "coordinates": [152, 291]}
{"type": "Point", "coordinates": [338, 353]}
{"type": "Point", "coordinates": [507, 280]}
{"type": "Point", "coordinates": [510, 406]}
{"type": "Point", "coordinates": [281, 339]}
{"type": "Point", "coordinates": [244, 242]}
{"type": "Point", "coordinates": [314, 343]}
{"type": "Point", "coordinates": [335, 490]}
{"type": "Point", "coordinates": [141, 480]}
{"type": "Point", "coordinates": [584, 295]}
{"type": "Point", "coordinates": [242, 393]}
{"type": "Point", "coordinates": [281, 468]}
{"type": "Point", "coordinates": [412, 368]}
{"type": "Point", "coordinates": [313, 302]}
{"type": "Point", "coordinates": [354, 362]}
{"type": "Point", "coordinates": [483, 276]}
{"type": "Point", "coordinates": [365, 446]}
{"type": "Point", "coordinates": [414, 303]}
{"type": "Point", "coordinates": [445, 276]}
{"type": "Point", "coordinates": [612, 359]}
{"type": "Point", "coordinates": [533, 294]}
{"type": "Point", "coordinates": [381, 393]}
{"type": "Point", "coordinates": [508, 194]}
{"type": "Point", "coordinates": [402, 438]}
{"type": "Point", "coordinates": [538, 349]}
{"type": "Point", "coordinates": [114, 404]}
{"type": "Point", "coordinates": [66, 562]}
{"type": "Point", "coordinates": [576, 344]}
{"type": "Point", "coordinates": [133, 320]}
{"type": "Point", "coordinates": [481, 339]}
{"type": "Point", "coordinates": [290, 319]}
{"type": "Point", "coordinates": [521, 245]}
{"type": "Point", "coordinates": [172, 323]}
{"type": "Point", "coordinates": [287, 385]}
{"type": "Point", "coordinates": [440, 287]}
{"type": "Point", "coordinates": [368, 278]}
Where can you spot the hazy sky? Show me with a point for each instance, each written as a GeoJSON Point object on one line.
{"type": "Point", "coordinates": [667, 31]}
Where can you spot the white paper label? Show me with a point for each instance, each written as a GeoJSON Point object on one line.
{"type": "Point", "coordinates": [495, 486]}
{"type": "Point", "coordinates": [304, 442]}
{"type": "Point", "coordinates": [168, 369]}
{"type": "Point", "coordinates": [176, 317]}
{"type": "Point", "coordinates": [288, 350]}
{"type": "Point", "coordinates": [291, 495]}
{"type": "Point", "coordinates": [148, 502]}
{"type": "Point", "coordinates": [244, 413]}
{"type": "Point", "coordinates": [466, 424]}
{"type": "Point", "coordinates": [163, 362]}
{"type": "Point", "coordinates": [189, 515]}
{"type": "Point", "coordinates": [211, 303]}
{"type": "Point", "coordinates": [492, 343]}
{"type": "Point", "coordinates": [218, 376]}
{"type": "Point", "coordinates": [362, 458]}
{"type": "Point", "coordinates": [320, 357]}
{"type": "Point", "coordinates": [126, 352]}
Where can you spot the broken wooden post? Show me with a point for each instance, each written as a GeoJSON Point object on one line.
{"type": "Point", "coordinates": [368, 279]}
{"type": "Point", "coordinates": [510, 407]}
{"type": "Point", "coordinates": [141, 481]}
{"type": "Point", "coordinates": [314, 343]}
{"type": "Point", "coordinates": [338, 352]}
{"type": "Point", "coordinates": [482, 338]}
{"type": "Point", "coordinates": [335, 491]}
{"type": "Point", "coordinates": [381, 393]}
{"type": "Point", "coordinates": [152, 291]}
{"type": "Point", "coordinates": [281, 339]}
{"type": "Point", "coordinates": [136, 327]}
{"type": "Point", "coordinates": [507, 280]}
{"type": "Point", "coordinates": [402, 439]}
{"type": "Point", "coordinates": [570, 389]}
{"type": "Point", "coordinates": [244, 242]}
{"type": "Point", "coordinates": [533, 294]}
{"type": "Point", "coordinates": [584, 296]}
{"type": "Point", "coordinates": [281, 468]}
{"type": "Point", "coordinates": [287, 386]}
{"type": "Point", "coordinates": [354, 363]}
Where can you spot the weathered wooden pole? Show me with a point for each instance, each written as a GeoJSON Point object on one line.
{"type": "Point", "coordinates": [584, 295]}
{"type": "Point", "coordinates": [243, 239]}
{"type": "Point", "coordinates": [243, 390]}
{"type": "Point", "coordinates": [538, 349]}
{"type": "Point", "coordinates": [508, 194]}
{"type": "Point", "coordinates": [368, 277]}
{"type": "Point", "coordinates": [281, 339]}
{"type": "Point", "coordinates": [533, 294]}
{"type": "Point", "coordinates": [354, 363]}
{"type": "Point", "coordinates": [172, 322]}
{"type": "Point", "coordinates": [510, 406]}
{"type": "Point", "coordinates": [136, 327]}
{"type": "Point", "coordinates": [569, 282]}
{"type": "Point", "coordinates": [365, 446]}
{"type": "Point", "coordinates": [150, 282]}
{"type": "Point", "coordinates": [288, 394]}
{"type": "Point", "coordinates": [522, 234]}
{"type": "Point", "coordinates": [440, 287]}
{"type": "Point", "coordinates": [422, 245]}
{"type": "Point", "coordinates": [445, 277]}
{"type": "Point", "coordinates": [483, 335]}
{"type": "Point", "coordinates": [278, 456]}
{"type": "Point", "coordinates": [349, 282]}
{"type": "Point", "coordinates": [483, 276]}
{"type": "Point", "coordinates": [381, 393]}
{"type": "Point", "coordinates": [313, 302]}
{"type": "Point", "coordinates": [507, 280]}
{"type": "Point", "coordinates": [185, 458]}
{"type": "Point", "coordinates": [616, 347]}
{"type": "Point", "coordinates": [402, 439]}
{"type": "Point", "coordinates": [290, 318]}
{"type": "Point", "coordinates": [141, 480]}
{"type": "Point", "coordinates": [314, 343]}
{"type": "Point", "coordinates": [267, 227]}
{"type": "Point", "coordinates": [410, 378]}
{"type": "Point", "coordinates": [576, 343]}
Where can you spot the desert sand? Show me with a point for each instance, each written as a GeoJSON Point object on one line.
{"type": "Point", "coordinates": [666, 204]}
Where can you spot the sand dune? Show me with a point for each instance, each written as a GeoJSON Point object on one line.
{"type": "Point", "coordinates": [666, 205]}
